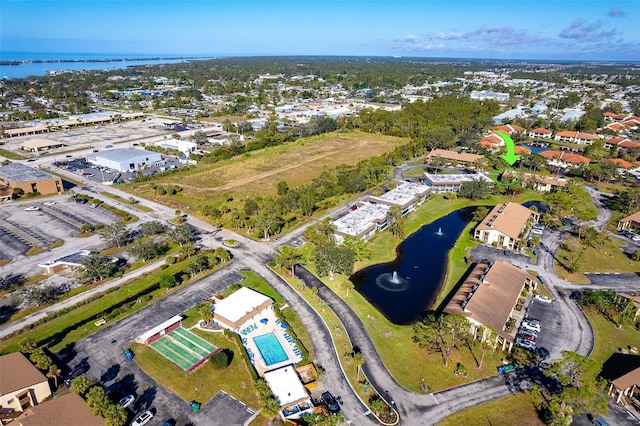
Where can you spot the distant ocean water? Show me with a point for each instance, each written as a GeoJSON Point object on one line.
{"type": "Point", "coordinates": [62, 61]}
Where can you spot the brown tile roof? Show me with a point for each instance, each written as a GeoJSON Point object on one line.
{"type": "Point", "coordinates": [628, 380]}
{"type": "Point", "coordinates": [17, 372]}
{"type": "Point", "coordinates": [519, 149]}
{"type": "Point", "coordinates": [508, 128]}
{"type": "Point", "coordinates": [635, 217]}
{"type": "Point", "coordinates": [69, 409]}
{"type": "Point", "coordinates": [629, 144]}
{"type": "Point", "coordinates": [588, 136]}
{"type": "Point", "coordinates": [541, 131]}
{"type": "Point", "coordinates": [494, 296]}
{"type": "Point", "coordinates": [565, 156]}
{"type": "Point", "coordinates": [566, 134]}
{"type": "Point", "coordinates": [621, 163]}
{"type": "Point", "coordinates": [509, 219]}
{"type": "Point", "coordinates": [492, 141]}
{"type": "Point", "coordinates": [452, 155]}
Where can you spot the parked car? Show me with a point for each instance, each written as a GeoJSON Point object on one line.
{"type": "Point", "coordinates": [599, 421]}
{"type": "Point", "coordinates": [527, 336]}
{"type": "Point", "coordinates": [32, 209]}
{"type": "Point", "coordinates": [531, 327]}
{"type": "Point", "coordinates": [537, 231]}
{"type": "Point", "coordinates": [142, 419]}
{"type": "Point", "coordinates": [543, 299]}
{"type": "Point", "coordinates": [331, 402]}
{"type": "Point", "coordinates": [525, 344]}
{"type": "Point", "coordinates": [49, 203]}
{"type": "Point", "coordinates": [81, 201]}
{"type": "Point", "coordinates": [127, 401]}
{"type": "Point", "coordinates": [81, 369]}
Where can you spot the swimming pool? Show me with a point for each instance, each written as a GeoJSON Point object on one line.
{"type": "Point", "coordinates": [270, 348]}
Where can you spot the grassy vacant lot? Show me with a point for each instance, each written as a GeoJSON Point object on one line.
{"type": "Point", "coordinates": [515, 409]}
{"type": "Point", "coordinates": [257, 173]}
{"type": "Point", "coordinates": [205, 382]}
{"type": "Point", "coordinates": [609, 339]}
{"type": "Point", "coordinates": [609, 258]}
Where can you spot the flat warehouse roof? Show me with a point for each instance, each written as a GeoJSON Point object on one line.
{"type": "Point", "coordinates": [17, 172]}
{"type": "Point", "coordinates": [125, 154]}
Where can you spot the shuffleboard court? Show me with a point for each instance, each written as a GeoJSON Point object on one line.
{"type": "Point", "coordinates": [189, 344]}
{"type": "Point", "coordinates": [170, 355]}
{"type": "Point", "coordinates": [195, 339]}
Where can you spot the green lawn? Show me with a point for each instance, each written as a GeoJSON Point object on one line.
{"type": "Point", "coordinates": [515, 409]}
{"type": "Point", "coordinates": [202, 384]}
{"type": "Point", "coordinates": [609, 339]}
{"type": "Point", "coordinates": [608, 258]}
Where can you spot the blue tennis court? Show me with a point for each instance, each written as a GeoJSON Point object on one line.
{"type": "Point", "coordinates": [270, 349]}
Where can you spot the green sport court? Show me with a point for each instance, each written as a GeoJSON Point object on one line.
{"type": "Point", "coordinates": [184, 348]}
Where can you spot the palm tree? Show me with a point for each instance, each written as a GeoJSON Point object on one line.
{"type": "Point", "coordinates": [53, 373]}
{"type": "Point", "coordinates": [346, 286]}
{"type": "Point", "coordinates": [80, 385]}
{"type": "Point", "coordinates": [358, 360]}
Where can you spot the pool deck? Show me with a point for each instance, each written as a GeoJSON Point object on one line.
{"type": "Point", "coordinates": [270, 327]}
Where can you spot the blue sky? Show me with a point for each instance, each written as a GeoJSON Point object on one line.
{"type": "Point", "coordinates": [515, 29]}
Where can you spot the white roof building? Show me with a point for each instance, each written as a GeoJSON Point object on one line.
{"type": "Point", "coordinates": [183, 146]}
{"type": "Point", "coordinates": [123, 160]}
{"type": "Point", "coordinates": [241, 306]}
{"type": "Point", "coordinates": [363, 222]}
{"type": "Point", "coordinates": [407, 196]}
{"type": "Point", "coordinates": [289, 391]}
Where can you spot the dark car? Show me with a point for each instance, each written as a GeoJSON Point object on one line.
{"type": "Point", "coordinates": [331, 402]}
{"type": "Point", "coordinates": [81, 369]}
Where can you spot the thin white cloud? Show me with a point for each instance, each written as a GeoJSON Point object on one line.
{"type": "Point", "coordinates": [448, 36]}
{"type": "Point", "coordinates": [616, 12]}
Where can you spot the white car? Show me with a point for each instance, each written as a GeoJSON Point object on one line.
{"type": "Point", "coordinates": [530, 327]}
{"type": "Point", "coordinates": [142, 419]}
{"type": "Point", "coordinates": [127, 401]}
{"type": "Point", "coordinates": [525, 344]}
{"type": "Point", "coordinates": [49, 203]}
{"type": "Point", "coordinates": [32, 209]}
{"type": "Point", "coordinates": [543, 299]}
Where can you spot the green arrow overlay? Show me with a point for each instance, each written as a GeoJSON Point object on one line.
{"type": "Point", "coordinates": [510, 157]}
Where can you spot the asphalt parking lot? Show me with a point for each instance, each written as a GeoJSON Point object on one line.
{"type": "Point", "coordinates": [103, 351]}
{"type": "Point", "coordinates": [551, 333]}
{"type": "Point", "coordinates": [60, 221]}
